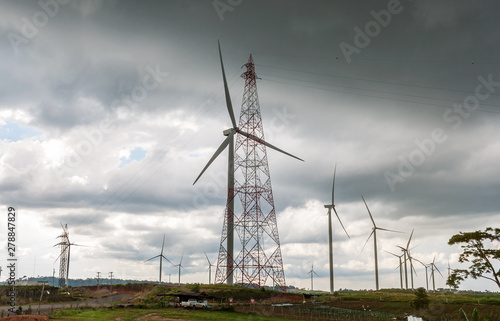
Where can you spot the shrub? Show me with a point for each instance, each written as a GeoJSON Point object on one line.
{"type": "Point", "coordinates": [421, 299]}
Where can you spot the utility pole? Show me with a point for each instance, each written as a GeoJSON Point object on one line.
{"type": "Point", "coordinates": [111, 276]}
{"type": "Point", "coordinates": [98, 276]}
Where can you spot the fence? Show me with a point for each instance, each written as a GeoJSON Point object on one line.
{"type": "Point", "coordinates": [316, 313]}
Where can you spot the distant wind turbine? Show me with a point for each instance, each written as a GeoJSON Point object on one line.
{"type": "Point", "coordinates": [374, 233]}
{"type": "Point", "coordinates": [312, 272]}
{"type": "Point", "coordinates": [426, 275]}
{"type": "Point", "coordinates": [209, 269]}
{"type": "Point", "coordinates": [434, 267]}
{"type": "Point", "coordinates": [330, 237]}
{"type": "Point", "coordinates": [407, 257]}
{"type": "Point", "coordinates": [449, 269]}
{"type": "Point", "coordinates": [400, 267]}
{"type": "Point", "coordinates": [161, 256]}
{"type": "Point", "coordinates": [64, 257]}
{"type": "Point", "coordinates": [180, 266]}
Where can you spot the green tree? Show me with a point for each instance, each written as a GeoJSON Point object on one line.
{"type": "Point", "coordinates": [475, 251]}
{"type": "Point", "coordinates": [421, 299]}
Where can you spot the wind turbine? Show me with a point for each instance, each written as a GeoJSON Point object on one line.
{"type": "Point", "coordinates": [400, 267]}
{"type": "Point", "coordinates": [330, 241]}
{"type": "Point", "coordinates": [180, 266]}
{"type": "Point", "coordinates": [374, 233]}
{"type": "Point", "coordinates": [229, 141]}
{"type": "Point", "coordinates": [161, 256]}
{"type": "Point", "coordinates": [312, 272]}
{"type": "Point", "coordinates": [209, 269]}
{"type": "Point", "coordinates": [65, 251]}
{"type": "Point", "coordinates": [426, 275]}
{"type": "Point", "coordinates": [433, 266]}
{"type": "Point", "coordinates": [407, 257]}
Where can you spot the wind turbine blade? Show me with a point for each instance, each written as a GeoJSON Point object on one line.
{"type": "Point", "coordinates": [439, 272]}
{"type": "Point", "coordinates": [434, 259]}
{"type": "Point", "coordinates": [341, 222]}
{"type": "Point", "coordinates": [419, 261]}
{"type": "Point", "coordinates": [59, 255]}
{"type": "Point", "coordinates": [406, 260]}
{"type": "Point", "coordinates": [217, 153]}
{"type": "Point", "coordinates": [210, 264]}
{"type": "Point", "coordinates": [408, 244]}
{"type": "Point", "coordinates": [333, 187]}
{"type": "Point", "coordinates": [390, 253]}
{"type": "Point", "coordinates": [180, 263]}
{"type": "Point", "coordinates": [226, 90]}
{"type": "Point", "coordinates": [367, 239]}
{"type": "Point", "coordinates": [369, 213]}
{"type": "Point", "coordinates": [315, 273]}
{"type": "Point", "coordinates": [163, 256]}
{"type": "Point", "coordinates": [162, 244]}
{"type": "Point", "coordinates": [384, 229]}
{"type": "Point", "coordinates": [261, 141]}
{"type": "Point", "coordinates": [154, 257]}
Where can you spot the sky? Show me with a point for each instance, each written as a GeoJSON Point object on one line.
{"type": "Point", "coordinates": [109, 110]}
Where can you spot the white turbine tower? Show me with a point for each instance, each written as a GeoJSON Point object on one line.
{"type": "Point", "coordinates": [161, 256]}
{"type": "Point", "coordinates": [180, 266]}
{"type": "Point", "coordinates": [434, 267]}
{"type": "Point", "coordinates": [330, 237]}
{"type": "Point", "coordinates": [312, 272]}
{"type": "Point", "coordinates": [408, 257]}
{"type": "Point", "coordinates": [426, 275]}
{"type": "Point", "coordinates": [209, 269]}
{"type": "Point", "coordinates": [229, 141]}
{"type": "Point", "coordinates": [400, 267]}
{"type": "Point", "coordinates": [374, 233]}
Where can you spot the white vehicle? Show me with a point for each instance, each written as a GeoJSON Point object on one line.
{"type": "Point", "coordinates": [201, 304]}
{"type": "Point", "coordinates": [191, 303]}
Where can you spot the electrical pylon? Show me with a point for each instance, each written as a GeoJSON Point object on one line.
{"type": "Point", "coordinates": [257, 251]}
{"type": "Point", "coordinates": [64, 257]}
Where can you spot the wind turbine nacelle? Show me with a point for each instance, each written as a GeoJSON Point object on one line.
{"type": "Point", "coordinates": [228, 132]}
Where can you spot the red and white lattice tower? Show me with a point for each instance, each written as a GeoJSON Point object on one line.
{"type": "Point", "coordinates": [257, 254]}
{"type": "Point", "coordinates": [64, 257]}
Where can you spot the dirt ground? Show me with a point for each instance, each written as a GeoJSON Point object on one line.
{"type": "Point", "coordinates": [26, 318]}
{"type": "Point", "coordinates": [156, 316]}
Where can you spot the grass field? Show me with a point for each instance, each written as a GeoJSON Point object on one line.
{"type": "Point", "coordinates": [150, 300]}
{"type": "Point", "coordinates": [133, 314]}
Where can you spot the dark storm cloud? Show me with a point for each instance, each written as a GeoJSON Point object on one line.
{"type": "Point", "coordinates": [364, 111]}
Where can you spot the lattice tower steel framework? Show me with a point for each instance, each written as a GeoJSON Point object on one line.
{"type": "Point", "coordinates": [64, 257]}
{"type": "Point", "coordinates": [258, 252]}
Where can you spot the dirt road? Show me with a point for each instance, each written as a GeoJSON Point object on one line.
{"type": "Point", "coordinates": [44, 308]}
